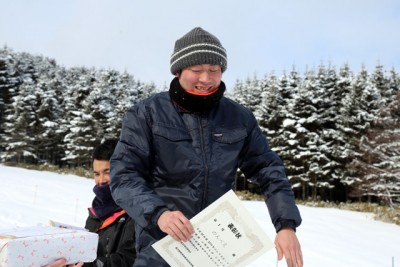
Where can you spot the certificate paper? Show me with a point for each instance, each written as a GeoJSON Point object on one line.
{"type": "Point", "coordinates": [225, 235]}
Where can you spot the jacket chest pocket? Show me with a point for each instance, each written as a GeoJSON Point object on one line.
{"type": "Point", "coordinates": [173, 150]}
{"type": "Point", "coordinates": [164, 134]}
{"type": "Point", "coordinates": [227, 145]}
{"type": "Point", "coordinates": [229, 136]}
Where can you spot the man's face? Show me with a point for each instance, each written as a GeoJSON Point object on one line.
{"type": "Point", "coordinates": [101, 172]}
{"type": "Point", "coordinates": [200, 79]}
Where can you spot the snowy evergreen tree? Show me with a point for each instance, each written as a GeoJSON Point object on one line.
{"type": "Point", "coordinates": [370, 100]}
{"type": "Point", "coordinates": [248, 93]}
{"type": "Point", "coordinates": [20, 123]}
{"type": "Point", "coordinates": [49, 92]}
{"type": "Point", "coordinates": [360, 109]}
{"type": "Point", "coordinates": [277, 100]}
{"type": "Point", "coordinates": [301, 134]}
{"type": "Point", "coordinates": [381, 84]}
{"type": "Point", "coordinates": [9, 81]}
{"type": "Point", "coordinates": [20, 120]}
{"type": "Point", "coordinates": [342, 145]}
{"type": "Point", "coordinates": [240, 92]}
{"type": "Point", "coordinates": [378, 166]}
{"type": "Point", "coordinates": [254, 95]}
{"type": "Point", "coordinates": [125, 98]}
{"type": "Point", "coordinates": [78, 124]}
{"type": "Point", "coordinates": [330, 136]}
{"type": "Point", "coordinates": [268, 113]}
{"type": "Point", "coordinates": [394, 83]}
{"type": "Point", "coordinates": [101, 104]}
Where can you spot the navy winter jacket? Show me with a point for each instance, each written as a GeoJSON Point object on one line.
{"type": "Point", "coordinates": [168, 158]}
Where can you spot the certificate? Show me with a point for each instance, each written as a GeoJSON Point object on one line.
{"type": "Point", "coordinates": [225, 235]}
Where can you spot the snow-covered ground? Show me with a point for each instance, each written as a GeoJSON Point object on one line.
{"type": "Point", "coordinates": [329, 237]}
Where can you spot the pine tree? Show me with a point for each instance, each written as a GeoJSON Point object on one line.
{"type": "Point", "coordinates": [9, 82]}
{"type": "Point", "coordinates": [381, 84]}
{"type": "Point", "coordinates": [20, 118]}
{"type": "Point", "coordinates": [125, 98]}
{"type": "Point", "coordinates": [379, 164]}
{"type": "Point", "coordinates": [49, 92]}
{"type": "Point", "coordinates": [77, 123]}
{"type": "Point", "coordinates": [20, 123]}
{"type": "Point", "coordinates": [240, 93]}
{"type": "Point", "coordinates": [394, 83]}
{"type": "Point", "coordinates": [331, 141]}
{"type": "Point", "coordinates": [101, 104]}
{"type": "Point", "coordinates": [248, 94]}
{"type": "Point", "coordinates": [304, 133]}
{"type": "Point", "coordinates": [277, 100]}
{"type": "Point", "coordinates": [268, 113]}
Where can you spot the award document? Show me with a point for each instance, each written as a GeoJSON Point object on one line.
{"type": "Point", "coordinates": [225, 235]}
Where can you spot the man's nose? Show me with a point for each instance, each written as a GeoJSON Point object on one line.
{"type": "Point", "coordinates": [204, 77]}
{"type": "Point", "coordinates": [103, 179]}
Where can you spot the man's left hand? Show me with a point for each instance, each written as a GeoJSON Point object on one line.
{"type": "Point", "coordinates": [287, 244]}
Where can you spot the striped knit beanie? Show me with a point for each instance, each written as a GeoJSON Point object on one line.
{"type": "Point", "coordinates": [195, 48]}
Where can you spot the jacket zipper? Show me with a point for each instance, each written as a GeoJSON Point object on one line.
{"type": "Point", "coordinates": [203, 202]}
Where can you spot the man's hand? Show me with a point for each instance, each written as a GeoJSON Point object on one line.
{"type": "Point", "coordinates": [287, 244]}
{"type": "Point", "coordinates": [62, 262]}
{"type": "Point", "coordinates": [175, 224]}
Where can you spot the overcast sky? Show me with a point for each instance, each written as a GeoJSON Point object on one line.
{"type": "Point", "coordinates": [260, 36]}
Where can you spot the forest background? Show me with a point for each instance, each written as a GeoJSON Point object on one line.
{"type": "Point", "coordinates": [337, 131]}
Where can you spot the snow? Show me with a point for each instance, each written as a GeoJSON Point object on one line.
{"type": "Point", "coordinates": [329, 237]}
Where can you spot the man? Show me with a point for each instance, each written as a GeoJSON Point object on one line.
{"type": "Point", "coordinates": [179, 152]}
{"type": "Point", "coordinates": [116, 229]}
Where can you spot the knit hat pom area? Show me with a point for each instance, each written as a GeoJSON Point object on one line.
{"type": "Point", "coordinates": [198, 47]}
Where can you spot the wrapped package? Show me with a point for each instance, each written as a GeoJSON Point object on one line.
{"type": "Point", "coordinates": [41, 245]}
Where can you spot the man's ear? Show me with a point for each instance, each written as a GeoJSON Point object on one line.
{"type": "Point", "coordinates": [177, 74]}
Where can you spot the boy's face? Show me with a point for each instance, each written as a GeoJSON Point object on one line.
{"type": "Point", "coordinates": [200, 79]}
{"type": "Point", "coordinates": [101, 172]}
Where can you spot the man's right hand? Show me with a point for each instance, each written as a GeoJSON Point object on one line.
{"type": "Point", "coordinates": [175, 224]}
{"type": "Point", "coordinates": [62, 262]}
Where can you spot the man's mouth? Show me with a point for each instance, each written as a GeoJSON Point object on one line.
{"type": "Point", "coordinates": [202, 88]}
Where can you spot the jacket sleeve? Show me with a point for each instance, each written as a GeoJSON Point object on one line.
{"type": "Point", "coordinates": [264, 167]}
{"type": "Point", "coordinates": [130, 169]}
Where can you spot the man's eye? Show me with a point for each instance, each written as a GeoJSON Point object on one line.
{"type": "Point", "coordinates": [214, 70]}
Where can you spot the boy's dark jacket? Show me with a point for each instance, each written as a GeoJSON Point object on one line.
{"type": "Point", "coordinates": [116, 246]}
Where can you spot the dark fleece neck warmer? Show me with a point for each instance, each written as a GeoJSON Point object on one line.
{"type": "Point", "coordinates": [194, 103]}
{"type": "Point", "coordinates": [103, 204]}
